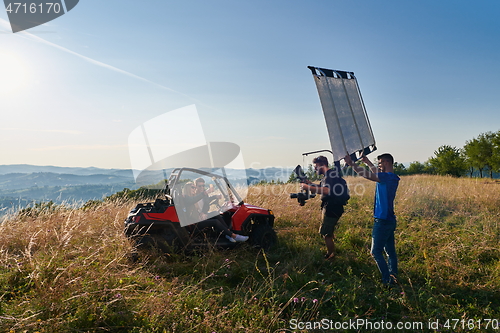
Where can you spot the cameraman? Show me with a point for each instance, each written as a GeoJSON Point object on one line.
{"type": "Point", "coordinates": [334, 195]}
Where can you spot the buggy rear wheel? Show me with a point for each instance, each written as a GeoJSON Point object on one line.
{"type": "Point", "coordinates": [168, 239]}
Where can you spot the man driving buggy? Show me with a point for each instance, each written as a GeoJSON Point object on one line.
{"type": "Point", "coordinates": [204, 204]}
{"type": "Point", "coordinates": [199, 221]}
{"type": "Point", "coordinates": [334, 195]}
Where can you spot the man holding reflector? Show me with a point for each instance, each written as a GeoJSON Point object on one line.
{"type": "Point", "coordinates": [383, 213]}
{"type": "Point", "coordinates": [350, 134]}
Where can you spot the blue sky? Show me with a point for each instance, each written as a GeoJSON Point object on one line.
{"type": "Point", "coordinates": [72, 90]}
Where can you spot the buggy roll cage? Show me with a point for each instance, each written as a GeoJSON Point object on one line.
{"type": "Point", "coordinates": [219, 181]}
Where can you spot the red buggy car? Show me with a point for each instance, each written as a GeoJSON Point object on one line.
{"type": "Point", "coordinates": [158, 224]}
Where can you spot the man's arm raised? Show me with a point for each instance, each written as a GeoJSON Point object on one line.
{"type": "Point", "coordinates": [368, 174]}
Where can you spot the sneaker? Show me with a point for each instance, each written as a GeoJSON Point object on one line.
{"type": "Point", "coordinates": [240, 238]}
{"type": "Point", "coordinates": [231, 239]}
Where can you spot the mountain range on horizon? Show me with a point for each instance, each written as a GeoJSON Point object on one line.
{"type": "Point", "coordinates": [82, 171]}
{"type": "Point", "coordinates": [23, 184]}
{"type": "Point", "coordinates": [86, 171]}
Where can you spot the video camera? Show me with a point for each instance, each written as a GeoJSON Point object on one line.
{"type": "Point", "coordinates": [304, 194]}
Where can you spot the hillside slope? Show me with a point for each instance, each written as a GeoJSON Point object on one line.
{"type": "Point", "coordinates": [69, 270]}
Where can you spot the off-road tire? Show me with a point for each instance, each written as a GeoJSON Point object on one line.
{"type": "Point", "coordinates": [169, 239]}
{"type": "Point", "coordinates": [263, 236]}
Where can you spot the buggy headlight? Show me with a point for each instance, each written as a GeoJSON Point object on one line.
{"type": "Point", "coordinates": [271, 212]}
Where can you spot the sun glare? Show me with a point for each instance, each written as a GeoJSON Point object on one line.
{"type": "Point", "coordinates": [13, 73]}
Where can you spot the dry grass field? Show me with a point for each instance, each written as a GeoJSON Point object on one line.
{"type": "Point", "coordinates": [71, 270]}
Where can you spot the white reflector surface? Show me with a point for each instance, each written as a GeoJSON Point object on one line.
{"type": "Point", "coordinates": [345, 115]}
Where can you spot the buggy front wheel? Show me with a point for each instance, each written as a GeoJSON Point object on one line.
{"type": "Point", "coordinates": [263, 236]}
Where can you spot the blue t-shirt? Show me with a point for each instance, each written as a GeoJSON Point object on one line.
{"type": "Point", "coordinates": [385, 192]}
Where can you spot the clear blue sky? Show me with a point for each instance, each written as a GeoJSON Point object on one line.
{"type": "Point", "coordinates": [72, 90]}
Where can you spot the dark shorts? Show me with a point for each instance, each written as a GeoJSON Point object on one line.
{"type": "Point", "coordinates": [328, 226]}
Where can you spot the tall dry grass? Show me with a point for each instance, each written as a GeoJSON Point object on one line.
{"type": "Point", "coordinates": [450, 228]}
{"type": "Point", "coordinates": [54, 262]}
{"type": "Point", "coordinates": [71, 270]}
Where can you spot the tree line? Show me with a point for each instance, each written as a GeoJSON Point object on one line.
{"type": "Point", "coordinates": [478, 157]}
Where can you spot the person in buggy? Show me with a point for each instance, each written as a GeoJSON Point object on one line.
{"type": "Point", "coordinates": [190, 198]}
{"type": "Point", "coordinates": [203, 205]}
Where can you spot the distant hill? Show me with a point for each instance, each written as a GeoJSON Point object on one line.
{"type": "Point", "coordinates": [27, 168]}
{"type": "Point", "coordinates": [13, 181]}
{"type": "Point", "coordinates": [23, 184]}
